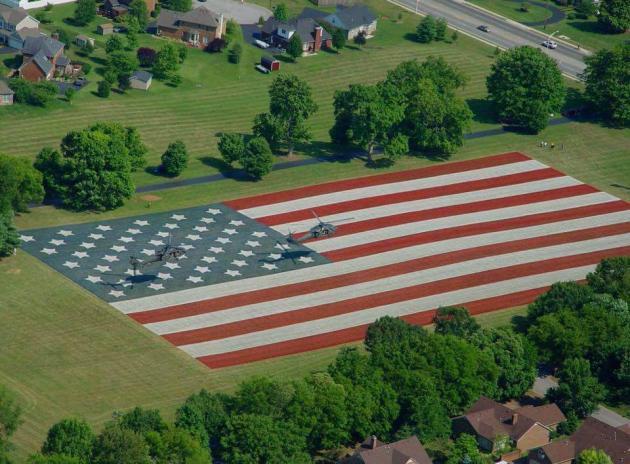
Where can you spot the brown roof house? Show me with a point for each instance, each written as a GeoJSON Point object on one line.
{"type": "Point", "coordinates": [43, 58]}
{"type": "Point", "coordinates": [15, 26]}
{"type": "Point", "coordinates": [312, 35]}
{"type": "Point", "coordinates": [6, 94]}
{"type": "Point", "coordinates": [615, 442]}
{"type": "Point", "coordinates": [198, 27]}
{"type": "Point", "coordinates": [105, 29]}
{"type": "Point", "coordinates": [373, 451]}
{"type": "Point", "coordinates": [526, 428]}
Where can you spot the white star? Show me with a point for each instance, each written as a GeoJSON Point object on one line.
{"type": "Point", "coordinates": [282, 247]}
{"type": "Point", "coordinates": [269, 266]}
{"type": "Point", "coordinates": [202, 269]}
{"type": "Point", "coordinates": [193, 237]}
{"type": "Point", "coordinates": [141, 223]}
{"type": "Point", "coordinates": [305, 259]}
{"type": "Point", "coordinates": [200, 228]}
{"type": "Point", "coordinates": [134, 231]}
{"type": "Point", "coordinates": [252, 243]}
{"type": "Point", "coordinates": [164, 275]}
{"type": "Point", "coordinates": [87, 245]}
{"type": "Point", "coordinates": [100, 268]}
{"type": "Point", "coordinates": [206, 220]}
{"type": "Point", "coordinates": [103, 228]}
{"type": "Point", "coordinates": [259, 234]}
{"type": "Point", "coordinates": [223, 240]}
{"type": "Point", "coordinates": [65, 233]}
{"type": "Point", "coordinates": [125, 239]}
{"type": "Point", "coordinates": [118, 248]}
{"type": "Point", "coordinates": [117, 293]}
{"type": "Point", "coordinates": [80, 254]}
{"type": "Point", "coordinates": [230, 231]}
{"type": "Point", "coordinates": [178, 217]}
{"type": "Point", "coordinates": [71, 264]}
{"type": "Point", "coordinates": [96, 236]}
{"type": "Point", "coordinates": [171, 226]}
{"type": "Point", "coordinates": [237, 223]}
{"type": "Point", "coordinates": [133, 272]}
{"type": "Point", "coordinates": [213, 211]}
{"type": "Point", "coordinates": [194, 279]}
{"type": "Point", "coordinates": [57, 242]}
{"type": "Point", "coordinates": [49, 251]}
{"type": "Point", "coordinates": [186, 247]}
{"type": "Point", "coordinates": [246, 253]}
{"type": "Point", "coordinates": [27, 238]}
{"type": "Point", "coordinates": [163, 234]}
{"type": "Point", "coordinates": [216, 249]}
{"type": "Point", "coordinates": [156, 287]}
{"type": "Point", "coordinates": [148, 252]}
{"type": "Point", "coordinates": [239, 263]}
{"type": "Point", "coordinates": [275, 256]}
{"type": "Point", "coordinates": [156, 242]}
{"type": "Point", "coordinates": [110, 258]}
{"type": "Point", "coordinates": [209, 259]}
{"type": "Point", "coordinates": [93, 279]}
{"type": "Point", "coordinates": [171, 265]}
{"type": "Point", "coordinates": [232, 273]}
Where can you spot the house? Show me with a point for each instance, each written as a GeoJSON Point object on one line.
{"type": "Point", "coordinates": [116, 8]}
{"type": "Point", "coordinates": [83, 40]}
{"type": "Point", "coordinates": [42, 59]}
{"type": "Point", "coordinates": [373, 451]}
{"type": "Point", "coordinates": [140, 80]}
{"type": "Point", "coordinates": [15, 26]}
{"type": "Point", "coordinates": [526, 428]}
{"type": "Point", "coordinates": [270, 63]}
{"type": "Point", "coordinates": [313, 36]}
{"type": "Point", "coordinates": [6, 94]}
{"type": "Point", "coordinates": [105, 29]}
{"type": "Point", "coordinates": [353, 20]}
{"type": "Point", "coordinates": [614, 441]}
{"type": "Point", "coordinates": [198, 27]}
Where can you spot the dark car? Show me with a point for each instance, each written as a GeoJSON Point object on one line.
{"type": "Point", "coordinates": [484, 28]}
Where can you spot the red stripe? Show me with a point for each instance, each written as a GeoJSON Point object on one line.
{"type": "Point", "coordinates": [391, 198]}
{"type": "Point", "coordinates": [330, 187]}
{"type": "Point", "coordinates": [354, 334]}
{"type": "Point", "coordinates": [388, 297]}
{"type": "Point", "coordinates": [216, 304]}
{"type": "Point", "coordinates": [473, 229]}
{"type": "Point", "coordinates": [466, 208]}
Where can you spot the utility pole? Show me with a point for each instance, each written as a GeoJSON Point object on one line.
{"type": "Point", "coordinates": [417, 2]}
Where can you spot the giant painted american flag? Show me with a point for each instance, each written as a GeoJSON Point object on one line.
{"type": "Point", "coordinates": [489, 233]}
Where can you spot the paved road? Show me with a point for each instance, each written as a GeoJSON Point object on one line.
{"type": "Point", "coordinates": [504, 33]}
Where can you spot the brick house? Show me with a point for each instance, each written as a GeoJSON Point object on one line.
{"type": "Point", "coordinates": [42, 59]}
{"type": "Point", "coordinates": [526, 427]}
{"type": "Point", "coordinates": [313, 36]}
{"type": "Point", "coordinates": [15, 26]}
{"type": "Point", "coordinates": [115, 8]}
{"type": "Point", "coordinates": [198, 27]}
{"type": "Point", "coordinates": [373, 451]}
{"type": "Point", "coordinates": [353, 20]}
{"type": "Point", "coordinates": [614, 441]}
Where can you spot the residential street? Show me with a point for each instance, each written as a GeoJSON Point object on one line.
{"type": "Point", "coordinates": [503, 32]}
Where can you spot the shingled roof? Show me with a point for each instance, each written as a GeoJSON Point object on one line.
{"type": "Point", "coordinates": [354, 16]}
{"type": "Point", "coordinates": [12, 15]}
{"type": "Point", "coordinates": [200, 15]}
{"type": "Point", "coordinates": [42, 44]}
{"type": "Point", "coordinates": [303, 27]}
{"type": "Point", "coordinates": [407, 451]}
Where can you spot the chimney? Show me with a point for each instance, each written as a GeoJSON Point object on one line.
{"type": "Point", "coordinates": [373, 442]}
{"type": "Point", "coordinates": [318, 38]}
{"type": "Point", "coordinates": [514, 418]}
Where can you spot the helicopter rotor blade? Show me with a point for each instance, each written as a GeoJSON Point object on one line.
{"type": "Point", "coordinates": [341, 220]}
{"type": "Point", "coordinates": [317, 217]}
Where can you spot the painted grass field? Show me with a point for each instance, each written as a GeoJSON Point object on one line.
{"type": "Point", "coordinates": [68, 353]}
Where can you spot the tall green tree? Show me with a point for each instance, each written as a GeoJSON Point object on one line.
{"type": "Point", "coordinates": [593, 456]}
{"type": "Point", "coordinates": [295, 47]}
{"type": "Point", "coordinates": [70, 437]}
{"type": "Point", "coordinates": [204, 416]}
{"type": "Point", "coordinates": [614, 15]}
{"type": "Point", "coordinates": [118, 445]}
{"type": "Point", "coordinates": [84, 12]}
{"type": "Point", "coordinates": [166, 61]}
{"type": "Point", "coordinates": [9, 241]}
{"type": "Point", "coordinates": [612, 276]}
{"type": "Point", "coordinates": [465, 451]}
{"type": "Point", "coordinates": [281, 12]}
{"type": "Point", "coordinates": [339, 39]}
{"type": "Point", "coordinates": [455, 320]}
{"type": "Point", "coordinates": [426, 30]}
{"type": "Point", "coordinates": [10, 413]}
{"type": "Point", "coordinates": [441, 28]}
{"type": "Point", "coordinates": [578, 392]}
{"type": "Point", "coordinates": [52, 459]}
{"type": "Point", "coordinates": [138, 10]}
{"type": "Point", "coordinates": [607, 77]}
{"type": "Point", "coordinates": [114, 43]}
{"type": "Point", "coordinates": [525, 86]}
{"type": "Point", "coordinates": [20, 184]}
{"type": "Point", "coordinates": [231, 146]}
{"type": "Point", "coordinates": [143, 421]}
{"type": "Point", "coordinates": [257, 159]}
{"type": "Point", "coordinates": [174, 159]}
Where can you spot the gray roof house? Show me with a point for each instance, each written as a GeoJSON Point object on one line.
{"type": "Point", "coordinates": [355, 20]}
{"type": "Point", "coordinates": [312, 35]}
{"type": "Point", "coordinates": [48, 46]}
{"type": "Point", "coordinates": [141, 80]}
{"type": "Point", "coordinates": [15, 25]}
{"type": "Point", "coordinates": [42, 57]}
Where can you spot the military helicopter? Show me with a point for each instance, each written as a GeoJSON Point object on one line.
{"type": "Point", "coordinates": [167, 253]}
{"type": "Point", "coordinates": [321, 230]}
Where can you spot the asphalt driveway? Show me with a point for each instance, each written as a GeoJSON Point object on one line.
{"type": "Point", "coordinates": [241, 12]}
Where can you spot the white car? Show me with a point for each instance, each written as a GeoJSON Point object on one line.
{"type": "Point", "coordinates": [261, 44]}
{"type": "Point", "coordinates": [550, 44]}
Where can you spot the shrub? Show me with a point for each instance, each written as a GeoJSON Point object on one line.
{"type": "Point", "coordinates": [146, 56]}
{"type": "Point", "coordinates": [235, 54]}
{"type": "Point", "coordinates": [217, 45]}
{"type": "Point", "coordinates": [360, 39]}
{"type": "Point", "coordinates": [174, 159]}
{"type": "Point", "coordinates": [104, 89]}
{"type": "Point", "coordinates": [36, 94]}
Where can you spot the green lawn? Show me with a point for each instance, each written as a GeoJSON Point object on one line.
{"type": "Point", "coordinates": [512, 10]}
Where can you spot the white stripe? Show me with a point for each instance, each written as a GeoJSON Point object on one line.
{"type": "Point", "coordinates": [338, 295]}
{"type": "Point", "coordinates": [366, 262]}
{"type": "Point", "coordinates": [394, 187]}
{"type": "Point", "coordinates": [357, 318]}
{"type": "Point", "coordinates": [401, 230]}
{"type": "Point", "coordinates": [394, 209]}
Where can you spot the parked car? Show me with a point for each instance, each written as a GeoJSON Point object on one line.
{"type": "Point", "coordinates": [262, 69]}
{"type": "Point", "coordinates": [484, 28]}
{"type": "Point", "coordinates": [550, 44]}
{"type": "Point", "coordinates": [261, 44]}
{"type": "Point", "coordinates": [120, 29]}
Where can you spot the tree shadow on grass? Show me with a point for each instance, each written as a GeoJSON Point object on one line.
{"type": "Point", "coordinates": [587, 26]}
{"type": "Point", "coordinates": [482, 110]}
{"type": "Point", "coordinates": [411, 37]}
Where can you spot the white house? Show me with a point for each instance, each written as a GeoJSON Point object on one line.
{"type": "Point", "coordinates": [354, 20]}
{"type": "Point", "coordinates": [16, 25]}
